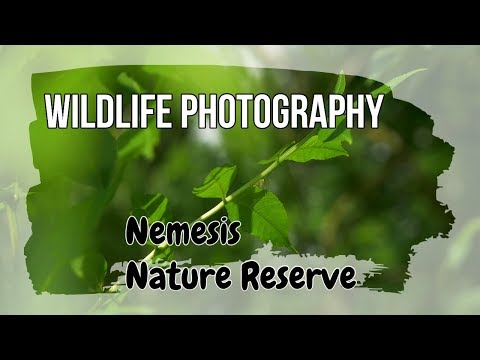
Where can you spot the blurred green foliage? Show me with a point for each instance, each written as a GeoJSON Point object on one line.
{"type": "Point", "coordinates": [375, 204]}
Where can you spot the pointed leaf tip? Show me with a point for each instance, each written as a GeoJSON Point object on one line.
{"type": "Point", "coordinates": [389, 86]}
{"type": "Point", "coordinates": [341, 83]}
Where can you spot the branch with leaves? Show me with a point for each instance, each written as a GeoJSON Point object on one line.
{"type": "Point", "coordinates": [261, 212]}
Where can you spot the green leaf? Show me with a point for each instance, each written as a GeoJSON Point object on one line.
{"type": "Point", "coordinates": [276, 155]}
{"type": "Point", "coordinates": [92, 268]}
{"type": "Point", "coordinates": [315, 149]}
{"type": "Point", "coordinates": [139, 142]}
{"type": "Point", "coordinates": [331, 135]}
{"type": "Point", "coordinates": [330, 142]}
{"type": "Point", "coordinates": [130, 83]}
{"type": "Point", "coordinates": [163, 254]}
{"type": "Point", "coordinates": [262, 215]}
{"type": "Point", "coordinates": [388, 87]}
{"type": "Point", "coordinates": [325, 134]}
{"type": "Point", "coordinates": [340, 86]}
{"type": "Point", "coordinates": [217, 183]}
{"type": "Point", "coordinates": [153, 206]}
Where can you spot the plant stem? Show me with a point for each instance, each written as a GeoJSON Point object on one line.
{"type": "Point", "coordinates": [229, 198]}
{"type": "Point", "coordinates": [253, 181]}
{"type": "Point", "coordinates": [384, 89]}
{"type": "Point", "coordinates": [235, 194]}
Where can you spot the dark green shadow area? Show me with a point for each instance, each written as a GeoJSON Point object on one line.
{"type": "Point", "coordinates": [375, 204]}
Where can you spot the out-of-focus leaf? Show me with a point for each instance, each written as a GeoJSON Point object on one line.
{"type": "Point", "coordinates": [139, 142]}
{"type": "Point", "coordinates": [388, 87]}
{"type": "Point", "coordinates": [153, 206]}
{"type": "Point", "coordinates": [461, 247]}
{"type": "Point", "coordinates": [91, 268]}
{"type": "Point", "coordinates": [12, 228]}
{"type": "Point", "coordinates": [163, 254]}
{"type": "Point", "coordinates": [340, 86]}
{"type": "Point", "coordinates": [130, 83]}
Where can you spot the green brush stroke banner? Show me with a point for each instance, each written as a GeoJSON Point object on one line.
{"type": "Point", "coordinates": [372, 195]}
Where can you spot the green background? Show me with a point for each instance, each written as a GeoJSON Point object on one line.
{"type": "Point", "coordinates": [443, 93]}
